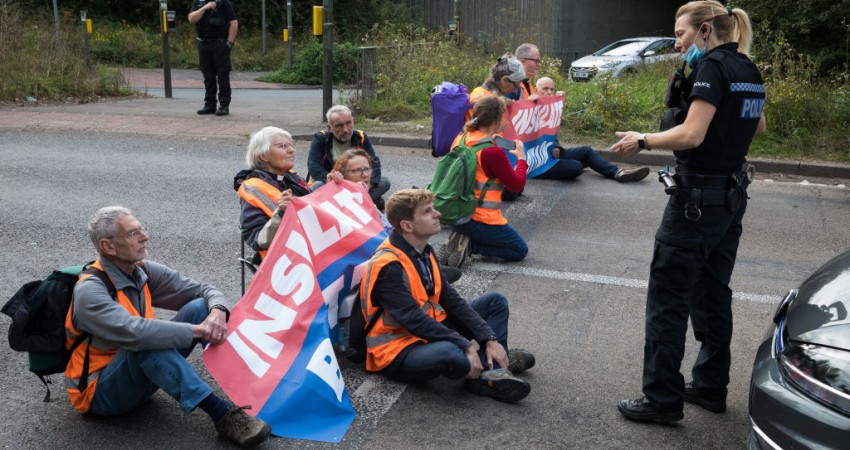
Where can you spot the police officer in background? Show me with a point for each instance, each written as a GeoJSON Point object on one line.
{"type": "Point", "coordinates": [216, 25]}
{"type": "Point", "coordinates": [697, 241]}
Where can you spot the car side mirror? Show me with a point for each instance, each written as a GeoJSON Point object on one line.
{"type": "Point", "coordinates": [647, 53]}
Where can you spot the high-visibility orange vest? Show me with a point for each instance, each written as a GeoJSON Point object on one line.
{"type": "Point", "coordinates": [473, 97]}
{"type": "Point", "coordinates": [488, 212]}
{"type": "Point", "coordinates": [100, 353]}
{"type": "Point", "coordinates": [387, 338]}
{"type": "Point", "coordinates": [527, 89]}
{"type": "Point", "coordinates": [261, 195]}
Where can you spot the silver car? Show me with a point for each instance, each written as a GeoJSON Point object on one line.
{"type": "Point", "coordinates": [800, 387]}
{"type": "Point", "coordinates": [627, 55]}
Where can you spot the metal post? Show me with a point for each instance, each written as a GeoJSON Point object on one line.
{"type": "Point", "coordinates": [264, 27]}
{"type": "Point", "coordinates": [85, 38]}
{"type": "Point", "coordinates": [457, 17]}
{"type": "Point", "coordinates": [289, 29]}
{"type": "Point", "coordinates": [327, 66]}
{"type": "Point", "coordinates": [166, 61]}
{"type": "Point", "coordinates": [56, 20]}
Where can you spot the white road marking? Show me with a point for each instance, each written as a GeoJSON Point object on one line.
{"type": "Point", "coordinates": [602, 279]}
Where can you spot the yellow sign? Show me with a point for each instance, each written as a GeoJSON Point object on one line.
{"type": "Point", "coordinates": [318, 15]}
{"type": "Point", "coordinates": [88, 26]}
{"type": "Point", "coordinates": [285, 35]}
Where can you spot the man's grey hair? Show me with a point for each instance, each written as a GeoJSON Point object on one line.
{"type": "Point", "coordinates": [525, 50]}
{"type": "Point", "coordinates": [103, 224]}
{"type": "Point", "coordinates": [259, 145]}
{"type": "Point", "coordinates": [542, 80]}
{"type": "Point", "coordinates": [337, 109]}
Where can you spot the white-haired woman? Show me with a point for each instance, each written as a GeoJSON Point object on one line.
{"type": "Point", "coordinates": [267, 186]}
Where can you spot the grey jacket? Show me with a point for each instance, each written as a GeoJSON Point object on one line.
{"type": "Point", "coordinates": [114, 327]}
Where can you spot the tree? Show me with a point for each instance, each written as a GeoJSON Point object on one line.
{"type": "Point", "coordinates": [817, 28]}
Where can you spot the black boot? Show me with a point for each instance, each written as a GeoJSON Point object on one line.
{"type": "Point", "coordinates": [223, 110]}
{"type": "Point", "coordinates": [207, 109]}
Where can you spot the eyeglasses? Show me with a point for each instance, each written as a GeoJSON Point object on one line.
{"type": "Point", "coordinates": [361, 171]}
{"type": "Point", "coordinates": [135, 234]}
{"type": "Point", "coordinates": [535, 61]}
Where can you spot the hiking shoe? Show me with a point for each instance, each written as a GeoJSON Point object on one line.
{"type": "Point", "coordinates": [448, 248]}
{"type": "Point", "coordinates": [701, 397]}
{"type": "Point", "coordinates": [461, 251]}
{"type": "Point", "coordinates": [223, 110]}
{"type": "Point", "coordinates": [242, 429]}
{"type": "Point", "coordinates": [631, 174]}
{"type": "Point", "coordinates": [643, 410]}
{"type": "Point", "coordinates": [499, 384]}
{"type": "Point", "coordinates": [520, 360]}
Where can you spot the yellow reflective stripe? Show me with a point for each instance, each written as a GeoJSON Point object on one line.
{"type": "Point", "coordinates": [74, 383]}
{"type": "Point", "coordinates": [382, 339]}
{"type": "Point", "coordinates": [490, 205]}
{"type": "Point", "coordinates": [494, 186]}
{"type": "Point", "coordinates": [257, 193]}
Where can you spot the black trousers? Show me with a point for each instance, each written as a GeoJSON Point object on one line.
{"type": "Point", "coordinates": [214, 58]}
{"type": "Point", "coordinates": [689, 275]}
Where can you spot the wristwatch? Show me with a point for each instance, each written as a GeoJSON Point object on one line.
{"type": "Point", "coordinates": [223, 308]}
{"type": "Point", "coordinates": [484, 341]}
{"type": "Point", "coordinates": [642, 142]}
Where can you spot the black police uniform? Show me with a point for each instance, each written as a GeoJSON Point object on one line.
{"type": "Point", "coordinates": [697, 241]}
{"type": "Point", "coordinates": [213, 51]}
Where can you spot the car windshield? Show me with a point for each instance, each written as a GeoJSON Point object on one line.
{"type": "Point", "coordinates": [622, 48]}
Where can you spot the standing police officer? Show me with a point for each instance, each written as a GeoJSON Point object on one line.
{"type": "Point", "coordinates": [216, 25]}
{"type": "Point", "coordinates": [697, 241]}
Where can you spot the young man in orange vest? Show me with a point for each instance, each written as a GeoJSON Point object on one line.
{"type": "Point", "coordinates": [130, 354]}
{"type": "Point", "coordinates": [422, 328]}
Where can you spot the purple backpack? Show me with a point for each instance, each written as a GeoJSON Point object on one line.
{"type": "Point", "coordinates": [449, 103]}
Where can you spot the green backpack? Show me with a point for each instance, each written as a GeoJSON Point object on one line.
{"type": "Point", "coordinates": [453, 184]}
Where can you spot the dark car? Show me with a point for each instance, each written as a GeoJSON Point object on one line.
{"type": "Point", "coordinates": [800, 388]}
{"type": "Point", "coordinates": [627, 55]}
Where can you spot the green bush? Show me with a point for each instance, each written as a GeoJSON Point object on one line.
{"type": "Point", "coordinates": [307, 67]}
{"type": "Point", "coordinates": [35, 67]}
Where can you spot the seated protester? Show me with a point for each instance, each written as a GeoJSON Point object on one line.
{"type": "Point", "coordinates": [573, 160]}
{"type": "Point", "coordinates": [424, 329]}
{"type": "Point", "coordinates": [267, 186]}
{"type": "Point", "coordinates": [132, 354]}
{"type": "Point", "coordinates": [487, 232]}
{"type": "Point", "coordinates": [503, 81]}
{"type": "Point", "coordinates": [529, 55]}
{"type": "Point", "coordinates": [341, 135]}
{"type": "Point", "coordinates": [355, 165]}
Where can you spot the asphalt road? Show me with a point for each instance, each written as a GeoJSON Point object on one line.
{"type": "Point", "coordinates": [577, 301]}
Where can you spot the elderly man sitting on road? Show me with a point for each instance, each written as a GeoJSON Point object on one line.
{"type": "Point", "coordinates": [329, 144]}
{"type": "Point", "coordinates": [129, 354]}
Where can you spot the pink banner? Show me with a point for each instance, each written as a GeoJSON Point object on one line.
{"type": "Point", "coordinates": [279, 356]}
{"type": "Point", "coordinates": [536, 124]}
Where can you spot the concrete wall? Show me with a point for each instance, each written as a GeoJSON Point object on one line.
{"type": "Point", "coordinates": [567, 29]}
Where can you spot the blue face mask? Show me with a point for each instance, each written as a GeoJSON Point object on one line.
{"type": "Point", "coordinates": [693, 55]}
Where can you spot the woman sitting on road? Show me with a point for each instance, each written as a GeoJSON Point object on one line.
{"type": "Point", "coordinates": [487, 232]}
{"type": "Point", "coordinates": [505, 77]}
{"type": "Point", "coordinates": [267, 186]}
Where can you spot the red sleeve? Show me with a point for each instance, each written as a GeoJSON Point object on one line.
{"type": "Point", "coordinates": [496, 164]}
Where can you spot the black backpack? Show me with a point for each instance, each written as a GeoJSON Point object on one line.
{"type": "Point", "coordinates": [38, 312]}
{"type": "Point", "coordinates": [358, 329]}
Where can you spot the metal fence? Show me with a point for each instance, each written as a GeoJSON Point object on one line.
{"type": "Point", "coordinates": [566, 29]}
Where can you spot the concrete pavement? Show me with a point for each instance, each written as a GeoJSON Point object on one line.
{"type": "Point", "coordinates": [296, 108]}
